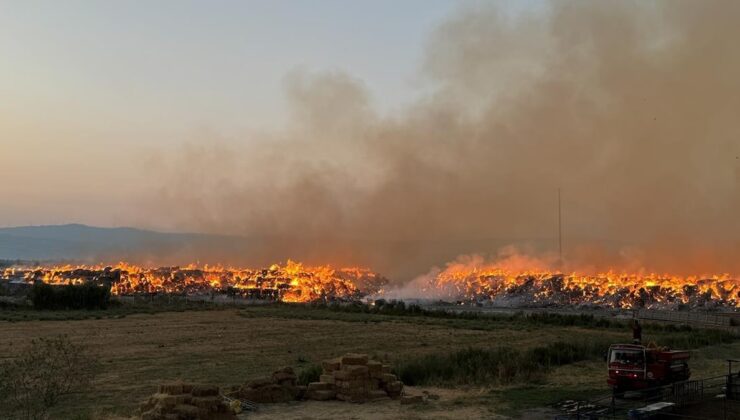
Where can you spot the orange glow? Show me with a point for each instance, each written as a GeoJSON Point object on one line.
{"type": "Point", "coordinates": [292, 282]}
{"type": "Point", "coordinates": [611, 289]}
{"type": "Point", "coordinates": [467, 283]}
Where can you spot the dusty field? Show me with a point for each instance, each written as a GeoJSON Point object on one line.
{"type": "Point", "coordinates": [228, 347]}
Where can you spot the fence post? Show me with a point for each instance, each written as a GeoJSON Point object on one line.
{"type": "Point", "coordinates": [614, 403]}
{"type": "Point", "coordinates": [730, 388]}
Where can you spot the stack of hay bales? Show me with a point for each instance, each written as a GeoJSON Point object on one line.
{"type": "Point", "coordinates": [354, 378]}
{"type": "Point", "coordinates": [181, 401]}
{"type": "Point", "coordinates": [282, 386]}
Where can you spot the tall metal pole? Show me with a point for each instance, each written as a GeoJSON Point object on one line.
{"type": "Point", "coordinates": [560, 230]}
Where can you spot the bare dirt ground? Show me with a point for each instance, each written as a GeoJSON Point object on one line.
{"type": "Point", "coordinates": [449, 406]}
{"type": "Point", "coordinates": [442, 409]}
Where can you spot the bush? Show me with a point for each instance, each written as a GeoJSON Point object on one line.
{"type": "Point", "coordinates": [84, 296]}
{"type": "Point", "coordinates": [46, 370]}
{"type": "Point", "coordinates": [698, 338]}
{"type": "Point", "coordinates": [309, 374]}
{"type": "Point", "coordinates": [500, 365]}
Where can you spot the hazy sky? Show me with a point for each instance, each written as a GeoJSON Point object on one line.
{"type": "Point", "coordinates": [381, 120]}
{"type": "Point", "coordinates": [89, 88]}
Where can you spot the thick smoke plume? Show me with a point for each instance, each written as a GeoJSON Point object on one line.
{"type": "Point", "coordinates": [630, 107]}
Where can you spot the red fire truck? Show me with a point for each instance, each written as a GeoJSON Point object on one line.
{"type": "Point", "coordinates": [635, 367]}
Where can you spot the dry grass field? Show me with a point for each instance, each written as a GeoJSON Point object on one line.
{"type": "Point", "coordinates": [230, 346]}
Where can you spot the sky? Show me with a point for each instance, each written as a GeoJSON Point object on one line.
{"type": "Point", "coordinates": [325, 124]}
{"type": "Point", "coordinates": [89, 89]}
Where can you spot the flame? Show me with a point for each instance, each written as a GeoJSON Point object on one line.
{"type": "Point", "coordinates": [467, 282]}
{"type": "Point", "coordinates": [476, 283]}
{"type": "Point", "coordinates": [292, 282]}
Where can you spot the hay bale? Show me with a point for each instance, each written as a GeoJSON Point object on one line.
{"type": "Point", "coordinates": [206, 403]}
{"type": "Point", "coordinates": [285, 369]}
{"type": "Point", "coordinates": [199, 402]}
{"type": "Point", "coordinates": [280, 377]}
{"type": "Point", "coordinates": [394, 387]}
{"type": "Point", "coordinates": [272, 394]}
{"type": "Point", "coordinates": [354, 359]}
{"type": "Point", "coordinates": [388, 378]}
{"type": "Point", "coordinates": [356, 371]}
{"type": "Point", "coordinates": [326, 378]}
{"type": "Point", "coordinates": [285, 377]}
{"type": "Point", "coordinates": [171, 388]}
{"type": "Point", "coordinates": [293, 391]}
{"type": "Point", "coordinates": [182, 398]}
{"type": "Point", "coordinates": [352, 383]}
{"type": "Point", "coordinates": [164, 400]}
{"type": "Point", "coordinates": [250, 394]}
{"type": "Point", "coordinates": [320, 386]}
{"type": "Point", "coordinates": [288, 383]}
{"type": "Point", "coordinates": [374, 367]}
{"type": "Point", "coordinates": [331, 365]}
{"type": "Point", "coordinates": [321, 395]}
{"type": "Point", "coordinates": [148, 404]}
{"type": "Point", "coordinates": [377, 395]}
{"type": "Point", "coordinates": [204, 391]}
{"type": "Point", "coordinates": [260, 382]}
{"type": "Point", "coordinates": [187, 411]}
{"type": "Point", "coordinates": [300, 391]}
{"type": "Point", "coordinates": [150, 415]}
{"type": "Point", "coordinates": [342, 375]}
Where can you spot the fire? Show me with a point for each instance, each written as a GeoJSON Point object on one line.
{"type": "Point", "coordinates": [292, 282]}
{"type": "Point", "coordinates": [472, 282]}
{"type": "Point", "coordinates": [610, 289]}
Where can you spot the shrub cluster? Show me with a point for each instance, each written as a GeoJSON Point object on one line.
{"type": "Point", "coordinates": [500, 365]}
{"type": "Point", "coordinates": [507, 364]}
{"type": "Point", "coordinates": [41, 374]}
{"type": "Point", "coordinates": [399, 308]}
{"type": "Point", "coordinates": [310, 373]}
{"type": "Point", "coordinates": [84, 296]}
{"type": "Point", "coordinates": [698, 338]}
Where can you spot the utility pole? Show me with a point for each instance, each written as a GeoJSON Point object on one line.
{"type": "Point", "coordinates": [560, 230]}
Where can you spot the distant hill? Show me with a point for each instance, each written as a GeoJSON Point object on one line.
{"type": "Point", "coordinates": [87, 243]}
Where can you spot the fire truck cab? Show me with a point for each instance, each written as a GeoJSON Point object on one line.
{"type": "Point", "coordinates": [634, 367]}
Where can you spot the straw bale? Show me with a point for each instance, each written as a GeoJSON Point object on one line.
{"type": "Point", "coordinates": [354, 359]}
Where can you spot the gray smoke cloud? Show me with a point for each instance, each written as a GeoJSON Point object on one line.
{"type": "Point", "coordinates": [630, 107]}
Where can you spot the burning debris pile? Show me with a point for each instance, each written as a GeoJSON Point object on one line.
{"type": "Point", "coordinates": [292, 282]}
{"type": "Point", "coordinates": [462, 282]}
{"type": "Point", "coordinates": [520, 289]}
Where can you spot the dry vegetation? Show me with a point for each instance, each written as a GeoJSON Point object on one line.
{"type": "Point", "coordinates": [227, 347]}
